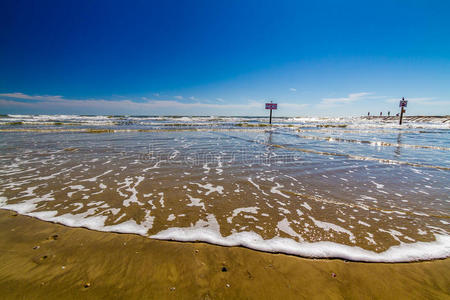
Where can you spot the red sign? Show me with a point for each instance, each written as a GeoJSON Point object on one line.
{"type": "Point", "coordinates": [403, 103]}
{"type": "Point", "coordinates": [271, 105]}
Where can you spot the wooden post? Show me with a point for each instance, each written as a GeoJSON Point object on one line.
{"type": "Point", "coordinates": [403, 104]}
{"type": "Point", "coordinates": [271, 106]}
{"type": "Point", "coordinates": [401, 115]}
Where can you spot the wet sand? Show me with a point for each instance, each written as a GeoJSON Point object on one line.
{"type": "Point", "coordinates": [249, 188]}
{"type": "Point", "coordinates": [42, 260]}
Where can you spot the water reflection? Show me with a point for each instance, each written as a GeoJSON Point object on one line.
{"type": "Point", "coordinates": [399, 142]}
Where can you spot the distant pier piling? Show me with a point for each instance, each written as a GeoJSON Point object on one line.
{"type": "Point", "coordinates": [403, 104]}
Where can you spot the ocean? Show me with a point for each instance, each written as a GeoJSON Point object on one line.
{"type": "Point", "coordinates": [360, 189]}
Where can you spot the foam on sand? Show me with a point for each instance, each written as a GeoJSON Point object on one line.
{"type": "Point", "coordinates": [209, 231]}
{"type": "Point", "coordinates": [403, 253]}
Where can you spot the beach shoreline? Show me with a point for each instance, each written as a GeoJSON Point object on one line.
{"type": "Point", "coordinates": [43, 259]}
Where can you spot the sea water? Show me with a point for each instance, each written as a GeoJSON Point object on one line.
{"type": "Point", "coordinates": [363, 189]}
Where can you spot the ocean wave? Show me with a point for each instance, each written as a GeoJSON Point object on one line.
{"type": "Point", "coordinates": [412, 122]}
{"type": "Point", "coordinates": [208, 231]}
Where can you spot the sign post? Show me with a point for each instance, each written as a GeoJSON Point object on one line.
{"type": "Point", "coordinates": [271, 106]}
{"type": "Point", "coordinates": [402, 105]}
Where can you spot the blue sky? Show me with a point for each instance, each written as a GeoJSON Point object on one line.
{"type": "Point", "coordinates": [315, 58]}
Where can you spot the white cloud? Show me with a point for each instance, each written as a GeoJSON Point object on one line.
{"type": "Point", "coordinates": [331, 102]}
{"type": "Point", "coordinates": [31, 97]}
{"type": "Point", "coordinates": [429, 101]}
{"type": "Point", "coordinates": [292, 106]}
{"type": "Point", "coordinates": [192, 98]}
{"type": "Point", "coordinates": [45, 104]}
{"type": "Point", "coordinates": [293, 89]}
{"type": "Point", "coordinates": [179, 97]}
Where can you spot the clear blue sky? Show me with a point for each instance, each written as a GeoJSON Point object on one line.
{"type": "Point", "coordinates": [224, 57]}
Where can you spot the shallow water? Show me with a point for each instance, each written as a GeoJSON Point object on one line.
{"type": "Point", "coordinates": [352, 188]}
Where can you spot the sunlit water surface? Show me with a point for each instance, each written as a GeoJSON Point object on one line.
{"type": "Point", "coordinates": [360, 189]}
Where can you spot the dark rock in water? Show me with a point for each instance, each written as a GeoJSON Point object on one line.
{"type": "Point", "coordinates": [224, 269]}
{"type": "Point", "coordinates": [87, 285]}
{"type": "Point", "coordinates": [333, 275]}
{"type": "Point", "coordinates": [36, 247]}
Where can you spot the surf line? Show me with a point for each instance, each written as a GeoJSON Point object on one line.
{"type": "Point", "coordinates": [90, 130]}
{"type": "Point", "coordinates": [372, 143]}
{"type": "Point", "coordinates": [351, 205]}
{"type": "Point", "coordinates": [356, 130]}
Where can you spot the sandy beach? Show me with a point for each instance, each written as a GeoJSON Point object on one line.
{"type": "Point", "coordinates": [44, 260]}
{"type": "Point", "coordinates": [224, 150]}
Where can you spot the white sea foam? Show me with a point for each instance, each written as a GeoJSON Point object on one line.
{"type": "Point", "coordinates": [161, 200]}
{"type": "Point", "coordinates": [252, 210]}
{"type": "Point", "coordinates": [370, 238]}
{"type": "Point", "coordinates": [208, 231]}
{"type": "Point", "coordinates": [93, 179]}
{"type": "Point", "coordinates": [257, 186]}
{"type": "Point", "coordinates": [363, 223]}
{"type": "Point", "coordinates": [330, 226]}
{"type": "Point", "coordinates": [306, 205]}
{"type": "Point", "coordinates": [421, 232]}
{"type": "Point", "coordinates": [133, 197]}
{"type": "Point", "coordinates": [195, 201]}
{"type": "Point", "coordinates": [402, 253]}
{"type": "Point", "coordinates": [274, 190]}
{"type": "Point", "coordinates": [211, 188]}
{"type": "Point", "coordinates": [285, 226]}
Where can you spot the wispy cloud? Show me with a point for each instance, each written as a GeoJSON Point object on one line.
{"type": "Point", "coordinates": [31, 97]}
{"type": "Point", "coordinates": [421, 101]}
{"type": "Point", "coordinates": [179, 97]}
{"type": "Point", "coordinates": [127, 106]}
{"type": "Point", "coordinates": [43, 104]}
{"type": "Point", "coordinates": [331, 102]}
{"type": "Point", "coordinates": [293, 89]}
{"type": "Point", "coordinates": [297, 107]}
